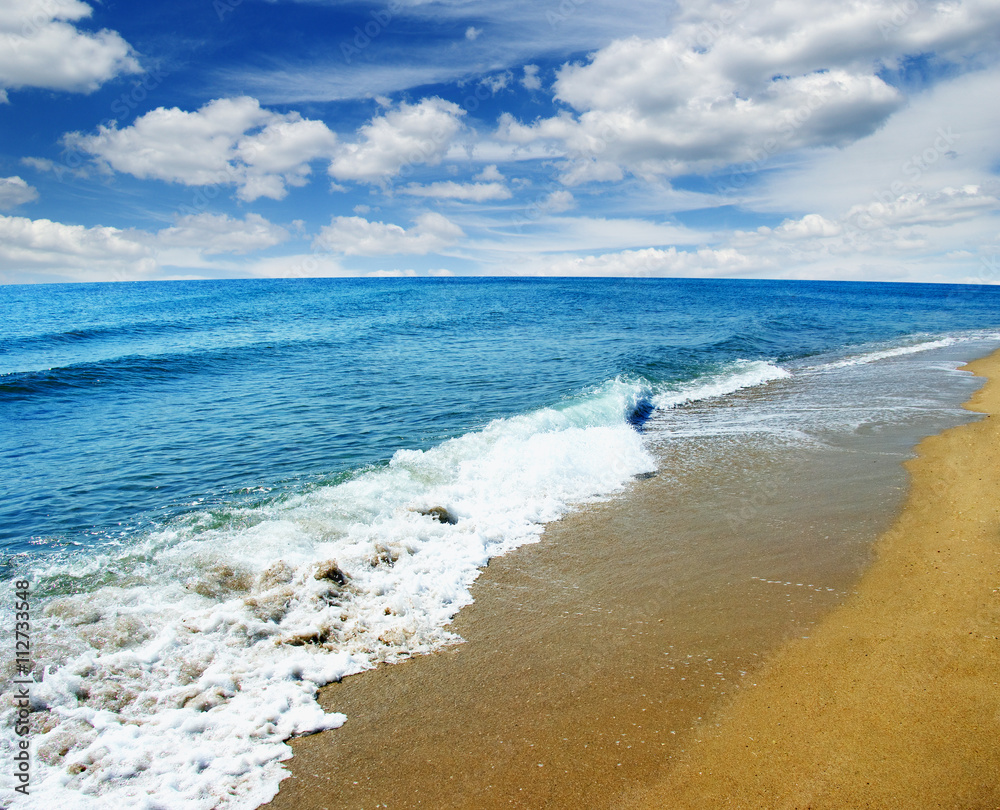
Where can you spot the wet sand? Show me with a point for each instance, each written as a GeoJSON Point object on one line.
{"type": "Point", "coordinates": [598, 662]}
{"type": "Point", "coordinates": [894, 701]}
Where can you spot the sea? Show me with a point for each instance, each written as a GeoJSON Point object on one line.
{"type": "Point", "coordinates": [219, 496]}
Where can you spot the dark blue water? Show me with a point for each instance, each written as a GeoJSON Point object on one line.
{"type": "Point", "coordinates": [122, 404]}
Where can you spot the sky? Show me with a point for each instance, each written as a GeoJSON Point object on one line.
{"type": "Point", "coordinates": [314, 138]}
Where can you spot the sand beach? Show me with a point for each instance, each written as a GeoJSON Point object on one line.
{"type": "Point", "coordinates": [894, 700]}
{"type": "Point", "coordinates": [594, 674]}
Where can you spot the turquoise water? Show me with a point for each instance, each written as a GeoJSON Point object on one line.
{"type": "Point", "coordinates": [223, 494]}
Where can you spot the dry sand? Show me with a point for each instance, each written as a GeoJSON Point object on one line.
{"type": "Point", "coordinates": [894, 700]}
{"type": "Point", "coordinates": [598, 673]}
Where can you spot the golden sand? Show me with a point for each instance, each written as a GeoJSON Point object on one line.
{"type": "Point", "coordinates": [894, 700]}
{"type": "Point", "coordinates": [597, 674]}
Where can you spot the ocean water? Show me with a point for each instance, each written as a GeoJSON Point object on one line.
{"type": "Point", "coordinates": [222, 493]}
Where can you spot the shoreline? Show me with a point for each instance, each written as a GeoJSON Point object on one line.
{"type": "Point", "coordinates": [571, 689]}
{"type": "Point", "coordinates": [894, 700]}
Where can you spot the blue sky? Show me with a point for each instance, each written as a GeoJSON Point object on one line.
{"type": "Point", "coordinates": [272, 138]}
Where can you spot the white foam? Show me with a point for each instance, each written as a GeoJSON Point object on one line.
{"type": "Point", "coordinates": [736, 377]}
{"type": "Point", "coordinates": [899, 351]}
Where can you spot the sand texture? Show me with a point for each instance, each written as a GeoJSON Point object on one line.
{"type": "Point", "coordinates": [894, 700]}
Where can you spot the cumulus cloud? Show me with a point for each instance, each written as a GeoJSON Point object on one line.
{"type": "Point", "coordinates": [220, 233]}
{"type": "Point", "coordinates": [356, 236]}
{"type": "Point", "coordinates": [811, 226]}
{"type": "Point", "coordinates": [44, 248]}
{"type": "Point", "coordinates": [474, 192]}
{"type": "Point", "coordinates": [490, 174]}
{"type": "Point", "coordinates": [41, 47]}
{"type": "Point", "coordinates": [707, 127]}
{"type": "Point", "coordinates": [226, 142]}
{"type": "Point", "coordinates": [408, 135]}
{"type": "Point", "coordinates": [14, 191]}
{"type": "Point", "coordinates": [745, 82]}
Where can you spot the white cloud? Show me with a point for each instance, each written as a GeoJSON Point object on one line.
{"type": "Point", "coordinates": [410, 273]}
{"type": "Point", "coordinates": [911, 238]}
{"type": "Point", "coordinates": [652, 262]}
{"type": "Point", "coordinates": [557, 202]}
{"type": "Point", "coordinates": [472, 33]}
{"type": "Point", "coordinates": [743, 83]}
{"type": "Point", "coordinates": [355, 236]}
{"type": "Point", "coordinates": [300, 265]}
{"type": "Point", "coordinates": [917, 200]}
{"type": "Point", "coordinates": [490, 174]}
{"type": "Point", "coordinates": [40, 248]}
{"type": "Point", "coordinates": [947, 206]}
{"type": "Point", "coordinates": [946, 137]}
{"type": "Point", "coordinates": [475, 192]}
{"type": "Point", "coordinates": [590, 170]}
{"type": "Point", "coordinates": [43, 250]}
{"type": "Point", "coordinates": [706, 127]}
{"type": "Point", "coordinates": [220, 233]}
{"type": "Point", "coordinates": [530, 80]}
{"type": "Point", "coordinates": [811, 226]}
{"type": "Point", "coordinates": [225, 142]}
{"type": "Point", "coordinates": [14, 192]}
{"type": "Point", "coordinates": [42, 48]}
{"type": "Point", "coordinates": [409, 135]}
{"type": "Point", "coordinates": [496, 82]}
